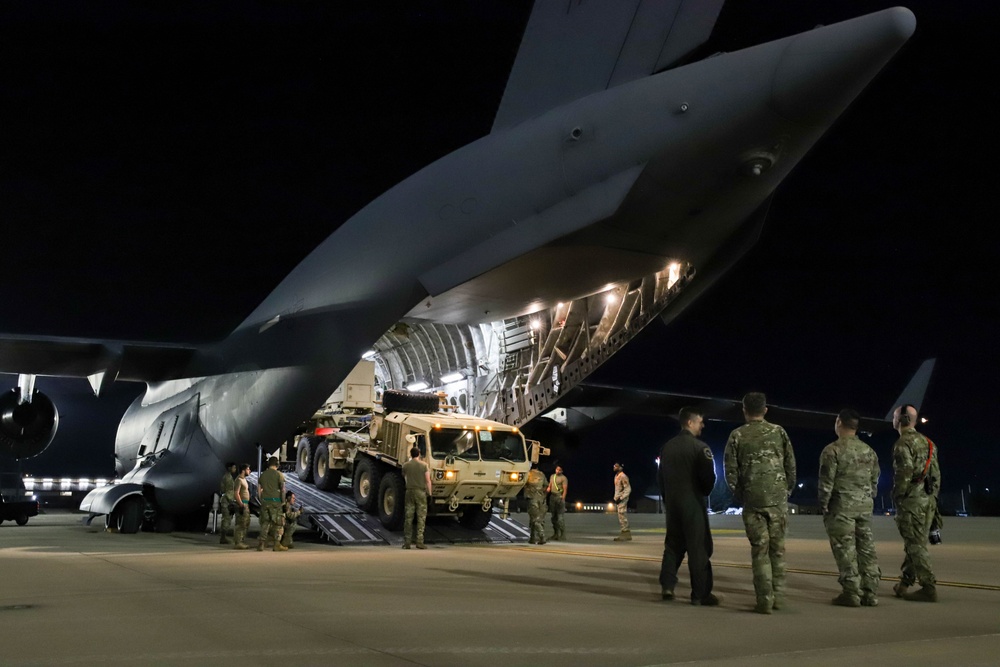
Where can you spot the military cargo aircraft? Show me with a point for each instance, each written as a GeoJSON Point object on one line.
{"type": "Point", "coordinates": [624, 174]}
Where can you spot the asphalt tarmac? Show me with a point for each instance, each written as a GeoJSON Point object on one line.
{"type": "Point", "coordinates": [77, 595]}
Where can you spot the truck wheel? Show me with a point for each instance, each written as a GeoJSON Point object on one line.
{"type": "Point", "coordinates": [304, 457]}
{"type": "Point", "coordinates": [126, 517]}
{"type": "Point", "coordinates": [395, 400]}
{"type": "Point", "coordinates": [21, 519]}
{"type": "Point", "coordinates": [392, 500]}
{"type": "Point", "coordinates": [324, 477]}
{"type": "Point", "coordinates": [474, 518]}
{"type": "Point", "coordinates": [367, 478]}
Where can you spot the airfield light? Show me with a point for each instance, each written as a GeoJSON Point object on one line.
{"type": "Point", "coordinates": [451, 377]}
{"type": "Point", "coordinates": [579, 506]}
{"type": "Point", "coordinates": [801, 485]}
{"type": "Point", "coordinates": [923, 420]}
{"type": "Point", "coordinates": [611, 506]}
{"type": "Point", "coordinates": [417, 386]}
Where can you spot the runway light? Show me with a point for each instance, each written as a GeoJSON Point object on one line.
{"type": "Point", "coordinates": [579, 506]}
{"type": "Point", "coordinates": [923, 420]}
{"type": "Point", "coordinates": [801, 485]}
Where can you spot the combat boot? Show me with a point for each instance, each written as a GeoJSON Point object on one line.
{"type": "Point", "coordinates": [900, 589]}
{"type": "Point", "coordinates": [278, 546]}
{"type": "Point", "coordinates": [847, 600]}
{"type": "Point", "coordinates": [667, 593]}
{"type": "Point", "coordinates": [869, 601]}
{"type": "Point", "coordinates": [406, 545]}
{"type": "Point", "coordinates": [260, 545]}
{"type": "Point", "coordinates": [926, 593]}
{"type": "Point", "coordinates": [626, 536]}
{"type": "Point", "coordinates": [764, 605]}
{"type": "Point", "coordinates": [709, 600]}
{"type": "Point", "coordinates": [421, 545]}
{"type": "Point", "coordinates": [778, 603]}
{"type": "Point", "coordinates": [223, 540]}
{"type": "Point", "coordinates": [241, 545]}
{"type": "Point", "coordinates": [541, 540]}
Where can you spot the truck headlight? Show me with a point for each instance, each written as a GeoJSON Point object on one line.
{"type": "Point", "coordinates": [516, 476]}
{"type": "Point", "coordinates": [446, 475]}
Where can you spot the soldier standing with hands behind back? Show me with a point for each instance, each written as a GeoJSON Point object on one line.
{"type": "Point", "coordinates": [622, 491]}
{"type": "Point", "coordinates": [848, 484]}
{"type": "Point", "coordinates": [760, 469]}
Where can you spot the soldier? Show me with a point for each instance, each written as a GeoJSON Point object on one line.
{"type": "Point", "coordinates": [848, 484]}
{"type": "Point", "coordinates": [916, 481]}
{"type": "Point", "coordinates": [271, 491]}
{"type": "Point", "coordinates": [557, 502]}
{"type": "Point", "coordinates": [291, 515]}
{"type": "Point", "coordinates": [534, 491]}
{"type": "Point", "coordinates": [227, 499]}
{"type": "Point", "coordinates": [685, 477]}
{"type": "Point", "coordinates": [622, 491]}
{"type": "Point", "coordinates": [418, 488]}
{"type": "Point", "coordinates": [241, 491]}
{"type": "Point", "coordinates": [760, 470]}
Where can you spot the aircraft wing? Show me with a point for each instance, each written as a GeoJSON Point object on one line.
{"type": "Point", "coordinates": [95, 359]}
{"type": "Point", "coordinates": [571, 49]}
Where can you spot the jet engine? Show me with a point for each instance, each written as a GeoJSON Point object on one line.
{"type": "Point", "coordinates": [26, 427]}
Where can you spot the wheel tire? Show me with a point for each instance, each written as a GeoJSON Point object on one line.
{"type": "Point", "coordinates": [304, 457]}
{"type": "Point", "coordinates": [126, 517]}
{"type": "Point", "coordinates": [21, 519]}
{"type": "Point", "coordinates": [392, 500]}
{"type": "Point", "coordinates": [474, 518]}
{"type": "Point", "coordinates": [395, 400]}
{"type": "Point", "coordinates": [367, 477]}
{"type": "Point", "coordinates": [324, 477]}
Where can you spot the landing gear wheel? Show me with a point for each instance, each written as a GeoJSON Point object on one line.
{"type": "Point", "coordinates": [396, 400]}
{"type": "Point", "coordinates": [126, 517]}
{"type": "Point", "coordinates": [305, 449]}
{"type": "Point", "coordinates": [474, 518]}
{"type": "Point", "coordinates": [392, 500]}
{"type": "Point", "coordinates": [367, 478]}
{"type": "Point", "coordinates": [325, 477]}
{"type": "Point", "coordinates": [21, 519]}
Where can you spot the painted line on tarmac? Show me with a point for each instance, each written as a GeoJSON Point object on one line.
{"type": "Point", "coordinates": [738, 566]}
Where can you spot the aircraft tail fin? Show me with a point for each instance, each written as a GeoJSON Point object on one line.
{"type": "Point", "coordinates": [571, 49]}
{"type": "Point", "coordinates": [913, 393]}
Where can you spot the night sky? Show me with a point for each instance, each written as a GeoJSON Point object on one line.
{"type": "Point", "coordinates": [164, 165]}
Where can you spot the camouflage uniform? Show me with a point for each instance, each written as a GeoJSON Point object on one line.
{"type": "Point", "coordinates": [226, 489]}
{"type": "Point", "coordinates": [242, 493]}
{"type": "Point", "coordinates": [415, 474]}
{"type": "Point", "coordinates": [272, 518]}
{"type": "Point", "coordinates": [848, 483]}
{"type": "Point", "coordinates": [760, 470]}
{"type": "Point", "coordinates": [534, 491]}
{"type": "Point", "coordinates": [622, 491]}
{"type": "Point", "coordinates": [291, 517]}
{"type": "Point", "coordinates": [557, 505]}
{"type": "Point", "coordinates": [913, 494]}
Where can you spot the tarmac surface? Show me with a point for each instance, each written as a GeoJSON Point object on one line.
{"type": "Point", "coordinates": [77, 595]}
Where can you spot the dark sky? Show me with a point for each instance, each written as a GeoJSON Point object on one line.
{"type": "Point", "coordinates": [164, 165]}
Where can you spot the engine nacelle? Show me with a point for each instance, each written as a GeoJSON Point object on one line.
{"type": "Point", "coordinates": [26, 429]}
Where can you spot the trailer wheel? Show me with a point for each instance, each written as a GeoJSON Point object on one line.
{"type": "Point", "coordinates": [21, 519]}
{"type": "Point", "coordinates": [324, 477]}
{"type": "Point", "coordinates": [395, 400]}
{"type": "Point", "coordinates": [367, 478]}
{"type": "Point", "coordinates": [474, 518]}
{"type": "Point", "coordinates": [392, 500]}
{"type": "Point", "coordinates": [304, 458]}
{"type": "Point", "coordinates": [126, 517]}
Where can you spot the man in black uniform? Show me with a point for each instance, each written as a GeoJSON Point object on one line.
{"type": "Point", "coordinates": [686, 476]}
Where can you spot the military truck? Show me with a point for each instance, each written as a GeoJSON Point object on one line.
{"type": "Point", "coordinates": [473, 462]}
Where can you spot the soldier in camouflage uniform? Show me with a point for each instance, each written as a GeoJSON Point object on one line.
{"type": "Point", "coordinates": [558, 484]}
{"type": "Point", "coordinates": [622, 491]}
{"type": "Point", "coordinates": [291, 515]}
{"type": "Point", "coordinates": [271, 492]}
{"type": "Point", "coordinates": [226, 499]}
{"type": "Point", "coordinates": [418, 487]}
{"type": "Point", "coordinates": [534, 491]}
{"type": "Point", "coordinates": [916, 482]}
{"type": "Point", "coordinates": [241, 492]}
{"type": "Point", "coordinates": [848, 484]}
{"type": "Point", "coordinates": [760, 470]}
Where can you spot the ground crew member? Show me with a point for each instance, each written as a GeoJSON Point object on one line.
{"type": "Point", "coordinates": [271, 491]}
{"type": "Point", "coordinates": [848, 484]}
{"type": "Point", "coordinates": [227, 500]}
{"type": "Point", "coordinates": [418, 488]}
{"type": "Point", "coordinates": [557, 502]}
{"type": "Point", "coordinates": [291, 515]}
{"type": "Point", "coordinates": [760, 470]}
{"type": "Point", "coordinates": [685, 477]}
{"type": "Point", "coordinates": [622, 491]}
{"type": "Point", "coordinates": [534, 492]}
{"type": "Point", "coordinates": [241, 491]}
{"type": "Point", "coordinates": [916, 482]}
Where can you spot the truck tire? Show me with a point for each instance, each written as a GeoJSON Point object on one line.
{"type": "Point", "coordinates": [392, 500]}
{"type": "Point", "coordinates": [304, 455]}
{"type": "Point", "coordinates": [21, 519]}
{"type": "Point", "coordinates": [324, 477]}
{"type": "Point", "coordinates": [126, 517]}
{"type": "Point", "coordinates": [367, 477]}
{"type": "Point", "coordinates": [396, 400]}
{"type": "Point", "coordinates": [474, 518]}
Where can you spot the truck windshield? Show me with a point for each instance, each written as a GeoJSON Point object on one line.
{"type": "Point", "coordinates": [490, 445]}
{"type": "Point", "coordinates": [501, 445]}
{"type": "Point", "coordinates": [454, 442]}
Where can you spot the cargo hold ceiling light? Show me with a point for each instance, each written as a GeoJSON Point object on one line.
{"type": "Point", "coordinates": [417, 386]}
{"type": "Point", "coordinates": [452, 377]}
